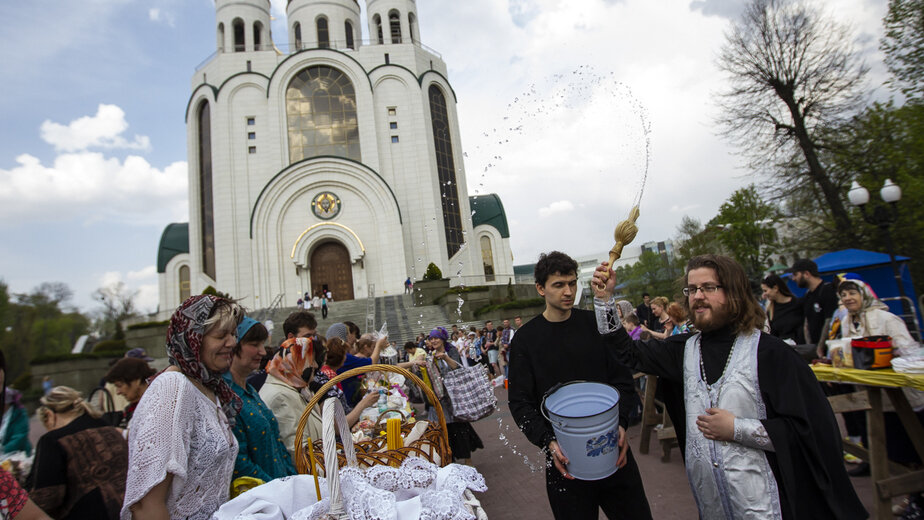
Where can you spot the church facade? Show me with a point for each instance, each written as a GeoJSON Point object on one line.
{"type": "Point", "coordinates": [327, 163]}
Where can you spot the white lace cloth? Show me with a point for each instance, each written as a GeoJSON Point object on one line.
{"type": "Point", "coordinates": [418, 489]}
{"type": "Point", "coordinates": [176, 429]}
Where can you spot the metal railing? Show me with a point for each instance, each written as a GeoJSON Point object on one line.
{"type": "Point", "coordinates": [911, 319]}
{"type": "Point", "coordinates": [273, 306]}
{"type": "Point", "coordinates": [339, 45]}
{"type": "Point", "coordinates": [370, 308]}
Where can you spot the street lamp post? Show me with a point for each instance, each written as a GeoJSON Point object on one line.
{"type": "Point", "coordinates": [883, 217]}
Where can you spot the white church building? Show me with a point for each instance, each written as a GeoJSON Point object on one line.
{"type": "Point", "coordinates": [327, 163]}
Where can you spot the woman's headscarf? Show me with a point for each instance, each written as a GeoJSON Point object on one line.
{"type": "Point", "coordinates": [184, 344]}
{"type": "Point", "coordinates": [869, 298]}
{"type": "Point", "coordinates": [289, 363]}
{"type": "Point", "coordinates": [625, 307]}
{"type": "Point", "coordinates": [440, 332]}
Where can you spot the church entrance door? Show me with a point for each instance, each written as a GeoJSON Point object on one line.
{"type": "Point", "coordinates": [331, 270]}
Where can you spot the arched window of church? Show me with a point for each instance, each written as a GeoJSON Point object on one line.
{"type": "Point", "coordinates": [257, 36]}
{"type": "Point", "coordinates": [394, 24]}
{"type": "Point", "coordinates": [206, 211]}
{"type": "Point", "coordinates": [321, 115]}
{"type": "Point", "coordinates": [487, 258]}
{"type": "Point", "coordinates": [323, 33]}
{"type": "Point", "coordinates": [445, 166]}
{"type": "Point", "coordinates": [348, 28]}
{"type": "Point", "coordinates": [221, 37]}
{"type": "Point", "coordinates": [377, 22]}
{"type": "Point", "coordinates": [184, 283]}
{"type": "Point", "coordinates": [411, 26]}
{"type": "Point", "coordinates": [297, 30]}
{"type": "Point", "coordinates": [238, 26]}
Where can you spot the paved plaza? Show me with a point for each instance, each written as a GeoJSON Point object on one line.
{"type": "Point", "coordinates": [515, 492]}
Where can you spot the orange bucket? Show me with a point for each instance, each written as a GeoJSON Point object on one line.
{"type": "Point", "coordinates": [872, 352]}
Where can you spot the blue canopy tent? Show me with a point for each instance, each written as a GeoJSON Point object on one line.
{"type": "Point", "coordinates": [874, 268]}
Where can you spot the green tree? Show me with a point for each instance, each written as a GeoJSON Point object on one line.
{"type": "Point", "coordinates": [792, 74]}
{"type": "Point", "coordinates": [653, 273]}
{"type": "Point", "coordinates": [748, 235]}
{"type": "Point", "coordinates": [37, 324]}
{"type": "Point", "coordinates": [887, 142]}
{"type": "Point", "coordinates": [693, 239]}
{"type": "Point", "coordinates": [903, 45]}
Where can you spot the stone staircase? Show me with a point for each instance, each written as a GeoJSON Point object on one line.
{"type": "Point", "coordinates": [404, 320]}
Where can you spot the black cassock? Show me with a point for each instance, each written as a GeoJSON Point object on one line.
{"type": "Point", "coordinates": [807, 462]}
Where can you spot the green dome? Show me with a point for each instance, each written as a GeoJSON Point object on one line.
{"type": "Point", "coordinates": [174, 241]}
{"type": "Point", "coordinates": [488, 209]}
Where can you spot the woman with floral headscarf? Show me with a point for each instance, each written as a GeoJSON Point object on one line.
{"type": "Point", "coordinates": [463, 439]}
{"type": "Point", "coordinates": [181, 448]}
{"type": "Point", "coordinates": [867, 316]}
{"type": "Point", "coordinates": [287, 391]}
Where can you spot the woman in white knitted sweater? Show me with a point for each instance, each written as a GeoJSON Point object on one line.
{"type": "Point", "coordinates": [181, 447]}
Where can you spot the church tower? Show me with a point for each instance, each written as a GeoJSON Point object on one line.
{"type": "Point", "coordinates": [322, 25]}
{"type": "Point", "coordinates": [325, 164]}
{"type": "Point", "coordinates": [243, 25]}
{"type": "Point", "coordinates": [392, 21]}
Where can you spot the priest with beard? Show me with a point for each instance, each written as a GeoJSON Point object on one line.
{"type": "Point", "coordinates": [758, 436]}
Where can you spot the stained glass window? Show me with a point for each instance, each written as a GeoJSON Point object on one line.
{"type": "Point", "coordinates": [321, 112]}
{"type": "Point", "coordinates": [445, 166]}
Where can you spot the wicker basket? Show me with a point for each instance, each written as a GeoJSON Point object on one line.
{"type": "Point", "coordinates": [432, 444]}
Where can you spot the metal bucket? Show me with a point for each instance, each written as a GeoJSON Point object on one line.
{"type": "Point", "coordinates": [585, 417]}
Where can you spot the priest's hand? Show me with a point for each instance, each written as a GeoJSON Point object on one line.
{"type": "Point", "coordinates": [718, 425]}
{"type": "Point", "coordinates": [623, 448]}
{"type": "Point", "coordinates": [559, 459]}
{"type": "Point", "coordinates": [604, 281]}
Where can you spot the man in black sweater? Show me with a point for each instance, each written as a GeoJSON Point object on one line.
{"type": "Point", "coordinates": [820, 299]}
{"type": "Point", "coordinates": [561, 345]}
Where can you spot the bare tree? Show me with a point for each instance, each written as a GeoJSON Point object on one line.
{"type": "Point", "coordinates": [793, 73]}
{"type": "Point", "coordinates": [118, 304]}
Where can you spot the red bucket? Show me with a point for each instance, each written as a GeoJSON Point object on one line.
{"type": "Point", "coordinates": [872, 352]}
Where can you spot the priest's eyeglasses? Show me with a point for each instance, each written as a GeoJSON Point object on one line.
{"type": "Point", "coordinates": [707, 289]}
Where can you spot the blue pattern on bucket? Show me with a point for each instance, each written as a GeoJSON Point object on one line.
{"type": "Point", "coordinates": [603, 444]}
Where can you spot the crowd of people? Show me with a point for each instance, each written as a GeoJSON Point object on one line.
{"type": "Point", "coordinates": [753, 423]}
{"type": "Point", "coordinates": [227, 406]}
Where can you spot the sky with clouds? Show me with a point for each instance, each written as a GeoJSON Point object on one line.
{"type": "Point", "coordinates": [563, 106]}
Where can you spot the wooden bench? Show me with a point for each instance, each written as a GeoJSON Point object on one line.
{"type": "Point", "coordinates": [652, 419]}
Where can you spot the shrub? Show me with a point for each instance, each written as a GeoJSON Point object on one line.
{"type": "Point", "coordinates": [463, 290]}
{"type": "Point", "coordinates": [215, 292]}
{"type": "Point", "coordinates": [24, 381]}
{"type": "Point", "coordinates": [515, 304]}
{"type": "Point", "coordinates": [110, 345]}
{"type": "Point", "coordinates": [148, 325]}
{"type": "Point", "coordinates": [54, 358]}
{"type": "Point", "coordinates": [433, 272]}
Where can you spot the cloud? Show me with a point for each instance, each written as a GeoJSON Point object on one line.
{"type": "Point", "coordinates": [683, 209]}
{"type": "Point", "coordinates": [90, 186]}
{"type": "Point", "coordinates": [148, 272]}
{"type": "Point", "coordinates": [103, 130]}
{"type": "Point", "coordinates": [158, 16]}
{"type": "Point", "coordinates": [523, 11]}
{"type": "Point", "coordinates": [730, 9]}
{"type": "Point", "coordinates": [561, 206]}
